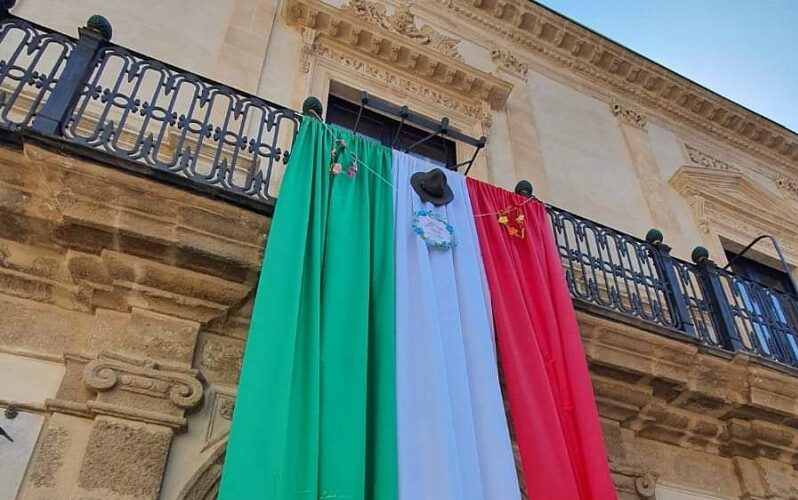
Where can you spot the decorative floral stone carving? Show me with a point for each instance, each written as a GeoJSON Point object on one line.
{"type": "Point", "coordinates": [708, 161]}
{"type": "Point", "coordinates": [508, 61]}
{"type": "Point", "coordinates": [222, 357]}
{"type": "Point", "coordinates": [403, 21]}
{"type": "Point", "coordinates": [788, 185]}
{"type": "Point", "coordinates": [629, 115]}
{"type": "Point", "coordinates": [226, 407]}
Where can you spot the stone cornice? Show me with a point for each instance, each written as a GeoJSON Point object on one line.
{"type": "Point", "coordinates": [677, 392]}
{"type": "Point", "coordinates": [373, 35]}
{"type": "Point", "coordinates": [610, 65]}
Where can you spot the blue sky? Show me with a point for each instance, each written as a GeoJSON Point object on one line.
{"type": "Point", "coordinates": [745, 50]}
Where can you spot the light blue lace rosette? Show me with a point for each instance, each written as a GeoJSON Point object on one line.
{"type": "Point", "coordinates": [434, 229]}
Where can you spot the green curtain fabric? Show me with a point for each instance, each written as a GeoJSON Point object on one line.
{"type": "Point", "coordinates": [315, 413]}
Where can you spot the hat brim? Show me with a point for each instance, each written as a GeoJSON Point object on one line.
{"type": "Point", "coordinates": [415, 182]}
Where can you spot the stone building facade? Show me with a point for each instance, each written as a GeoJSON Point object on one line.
{"type": "Point", "coordinates": [126, 300]}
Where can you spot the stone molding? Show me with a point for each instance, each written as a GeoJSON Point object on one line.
{"type": "Point", "coordinates": [388, 49]}
{"type": "Point", "coordinates": [633, 481]}
{"type": "Point", "coordinates": [733, 202]}
{"type": "Point", "coordinates": [607, 64]}
{"type": "Point", "coordinates": [403, 22]}
{"type": "Point", "coordinates": [707, 160]}
{"type": "Point", "coordinates": [700, 156]}
{"type": "Point", "coordinates": [681, 394]}
{"type": "Point", "coordinates": [472, 110]}
{"type": "Point", "coordinates": [628, 115]}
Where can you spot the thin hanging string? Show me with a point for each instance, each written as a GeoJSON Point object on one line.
{"type": "Point", "coordinates": [359, 161]}
{"type": "Point", "coordinates": [354, 156]}
{"type": "Point", "coordinates": [497, 213]}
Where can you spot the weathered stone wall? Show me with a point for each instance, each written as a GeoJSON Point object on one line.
{"type": "Point", "coordinates": [125, 305]}
{"type": "Point", "coordinates": [682, 417]}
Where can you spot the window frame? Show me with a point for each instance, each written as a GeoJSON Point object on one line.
{"type": "Point", "coordinates": [383, 129]}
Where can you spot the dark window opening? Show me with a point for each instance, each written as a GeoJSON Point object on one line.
{"type": "Point", "coordinates": [771, 319]}
{"type": "Point", "coordinates": [756, 271]}
{"type": "Point", "coordinates": [384, 129]}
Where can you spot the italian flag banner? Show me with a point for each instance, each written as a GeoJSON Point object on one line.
{"type": "Point", "coordinates": [393, 294]}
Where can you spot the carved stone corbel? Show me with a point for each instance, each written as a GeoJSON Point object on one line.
{"type": "Point", "coordinates": [628, 115]}
{"type": "Point", "coordinates": [789, 186]}
{"type": "Point", "coordinates": [508, 61]}
{"type": "Point", "coordinates": [142, 390]}
{"type": "Point", "coordinates": [698, 206]}
{"type": "Point", "coordinates": [309, 48]}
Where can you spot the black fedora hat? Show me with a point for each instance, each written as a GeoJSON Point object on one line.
{"type": "Point", "coordinates": [432, 186]}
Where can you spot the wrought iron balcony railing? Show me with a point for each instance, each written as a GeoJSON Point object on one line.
{"type": "Point", "coordinates": [96, 94]}
{"type": "Point", "coordinates": [146, 115]}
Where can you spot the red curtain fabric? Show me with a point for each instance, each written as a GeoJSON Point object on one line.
{"type": "Point", "coordinates": [551, 401]}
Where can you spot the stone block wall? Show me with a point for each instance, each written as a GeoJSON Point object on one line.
{"type": "Point", "coordinates": [125, 303]}
{"type": "Point", "coordinates": [125, 307]}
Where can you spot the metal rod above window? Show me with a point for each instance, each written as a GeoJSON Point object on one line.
{"type": "Point", "coordinates": [405, 115]}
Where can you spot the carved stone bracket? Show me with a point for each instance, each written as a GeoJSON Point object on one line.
{"type": "Point", "coordinates": [628, 115]}
{"type": "Point", "coordinates": [364, 37]}
{"type": "Point", "coordinates": [142, 390]}
{"type": "Point", "coordinates": [309, 48]}
{"type": "Point", "coordinates": [697, 204]}
{"type": "Point", "coordinates": [790, 186]}
{"type": "Point", "coordinates": [507, 60]}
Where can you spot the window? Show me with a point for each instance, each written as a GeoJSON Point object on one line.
{"type": "Point", "coordinates": [384, 129]}
{"type": "Point", "coordinates": [773, 317]}
{"type": "Point", "coordinates": [755, 271]}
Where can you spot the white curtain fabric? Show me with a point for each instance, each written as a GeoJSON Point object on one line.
{"type": "Point", "coordinates": [453, 437]}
